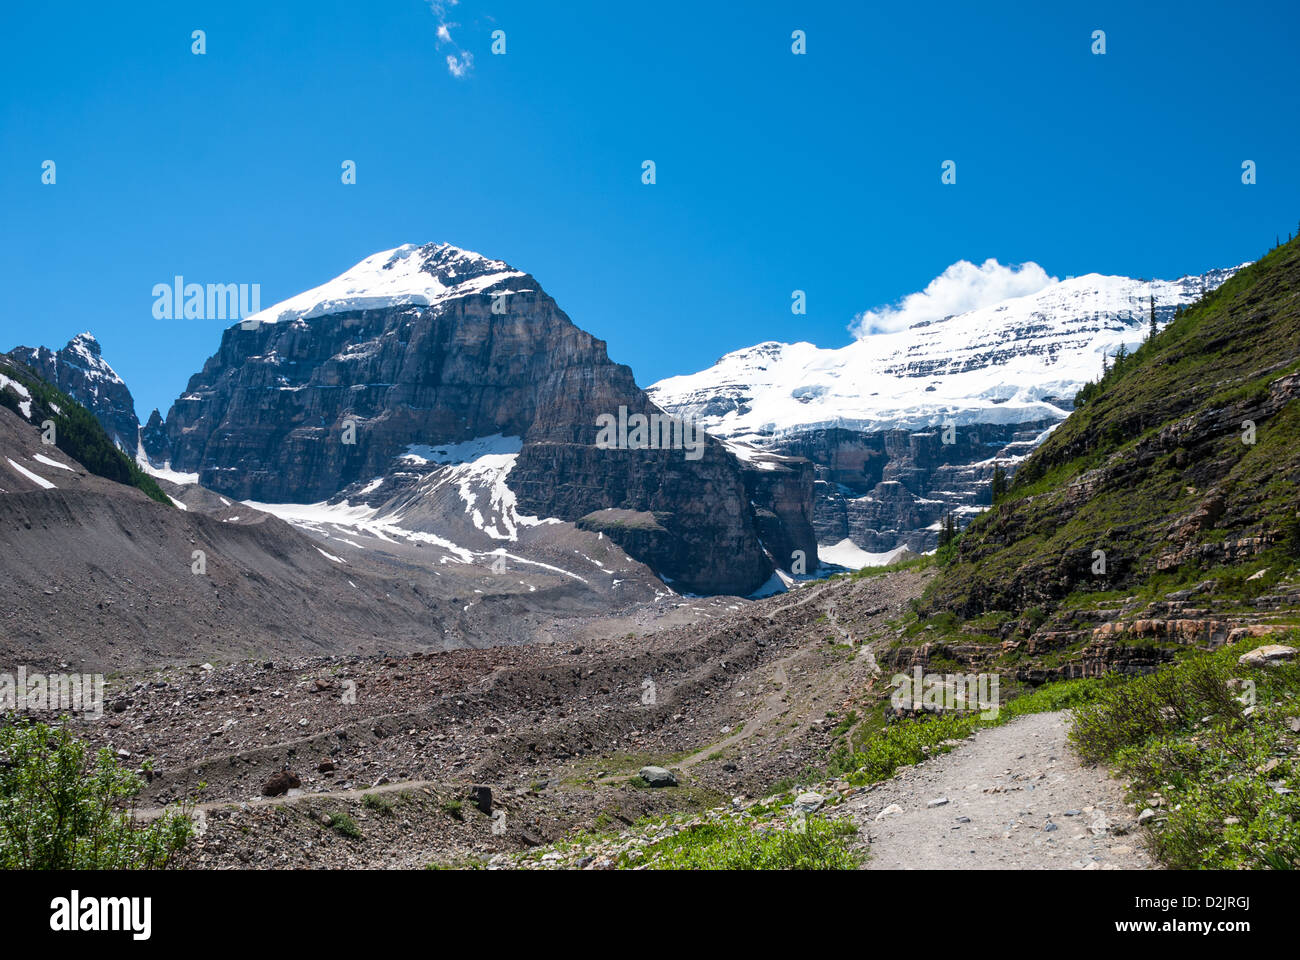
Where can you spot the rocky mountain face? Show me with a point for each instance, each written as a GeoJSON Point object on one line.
{"type": "Point", "coordinates": [904, 427]}
{"type": "Point", "coordinates": [153, 439]}
{"type": "Point", "coordinates": [80, 371]}
{"type": "Point", "coordinates": [352, 386]}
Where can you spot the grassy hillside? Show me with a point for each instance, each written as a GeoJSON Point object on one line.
{"type": "Point", "coordinates": [77, 433]}
{"type": "Point", "coordinates": [1160, 469]}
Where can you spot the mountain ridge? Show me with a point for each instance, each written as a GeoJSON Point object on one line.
{"type": "Point", "coordinates": [80, 371]}
{"type": "Point", "coordinates": [908, 426]}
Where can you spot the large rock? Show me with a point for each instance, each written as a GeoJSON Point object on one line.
{"type": "Point", "coordinates": [1269, 655]}
{"type": "Point", "coordinates": [280, 783]}
{"type": "Point", "coordinates": [658, 776]}
{"type": "Point", "coordinates": [481, 797]}
{"type": "Point", "coordinates": [809, 802]}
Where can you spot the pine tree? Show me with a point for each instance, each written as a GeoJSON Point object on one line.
{"type": "Point", "coordinates": [1153, 314]}
{"type": "Point", "coordinates": [948, 531]}
{"type": "Point", "coordinates": [999, 483]}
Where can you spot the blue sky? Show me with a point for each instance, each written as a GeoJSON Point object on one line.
{"type": "Point", "coordinates": [775, 172]}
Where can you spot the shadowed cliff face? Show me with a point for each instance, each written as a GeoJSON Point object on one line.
{"type": "Point", "coordinates": [308, 403]}
{"type": "Point", "coordinates": [882, 489]}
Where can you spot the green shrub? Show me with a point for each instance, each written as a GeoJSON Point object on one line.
{"type": "Point", "coordinates": [344, 825]}
{"type": "Point", "coordinates": [63, 809]}
{"type": "Point", "coordinates": [736, 845]}
{"type": "Point", "coordinates": [1291, 537]}
{"type": "Point", "coordinates": [1228, 778]}
{"type": "Point", "coordinates": [1174, 698]}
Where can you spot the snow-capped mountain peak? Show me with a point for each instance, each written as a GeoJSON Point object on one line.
{"type": "Point", "coordinates": [408, 275]}
{"type": "Point", "coordinates": [84, 351]}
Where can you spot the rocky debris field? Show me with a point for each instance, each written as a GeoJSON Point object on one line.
{"type": "Point", "coordinates": [580, 754]}
{"type": "Point", "coordinates": [732, 697]}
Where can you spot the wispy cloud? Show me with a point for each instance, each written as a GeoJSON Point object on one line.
{"type": "Point", "coordinates": [460, 63]}
{"type": "Point", "coordinates": [459, 66]}
{"type": "Point", "coordinates": [962, 287]}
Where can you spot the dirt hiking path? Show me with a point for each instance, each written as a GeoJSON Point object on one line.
{"type": "Point", "coordinates": [1013, 797]}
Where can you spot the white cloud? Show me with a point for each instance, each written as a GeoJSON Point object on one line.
{"type": "Point", "coordinates": [960, 288]}
{"type": "Point", "coordinates": [460, 63]}
{"type": "Point", "coordinates": [459, 66]}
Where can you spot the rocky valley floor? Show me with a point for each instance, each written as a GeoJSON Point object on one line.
{"type": "Point", "coordinates": [741, 700]}
{"type": "Point", "coordinates": [735, 696]}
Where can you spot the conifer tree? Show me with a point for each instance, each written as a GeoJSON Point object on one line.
{"type": "Point", "coordinates": [948, 531]}
{"type": "Point", "coordinates": [999, 483]}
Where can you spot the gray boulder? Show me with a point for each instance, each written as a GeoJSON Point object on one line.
{"type": "Point", "coordinates": [658, 777]}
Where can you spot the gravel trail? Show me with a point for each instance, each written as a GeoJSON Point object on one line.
{"type": "Point", "coordinates": [1012, 797]}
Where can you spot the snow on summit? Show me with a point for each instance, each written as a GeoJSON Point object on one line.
{"type": "Point", "coordinates": [1018, 360]}
{"type": "Point", "coordinates": [83, 351]}
{"type": "Point", "coordinates": [406, 275]}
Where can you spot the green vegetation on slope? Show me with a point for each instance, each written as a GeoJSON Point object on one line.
{"type": "Point", "coordinates": [821, 844]}
{"type": "Point", "coordinates": [1220, 774]}
{"type": "Point", "coordinates": [76, 431]}
{"type": "Point", "coordinates": [1184, 449]}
